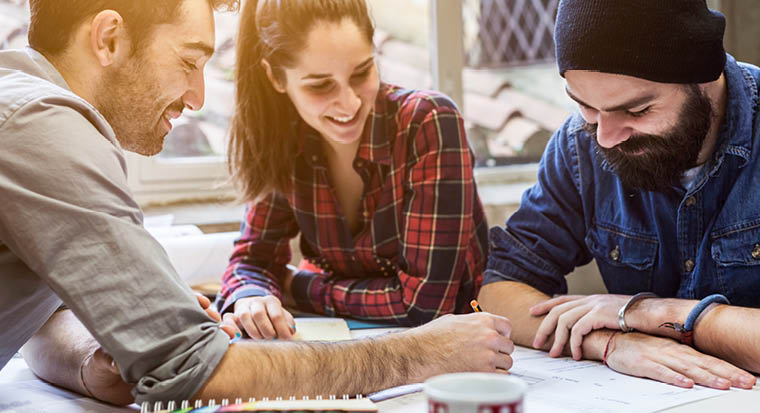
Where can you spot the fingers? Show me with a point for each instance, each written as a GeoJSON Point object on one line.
{"type": "Point", "coordinates": [501, 324]}
{"type": "Point", "coordinates": [203, 300]}
{"type": "Point", "coordinates": [503, 362]}
{"type": "Point", "coordinates": [229, 326]}
{"type": "Point", "coordinates": [667, 361]}
{"type": "Point", "coordinates": [280, 321]}
{"type": "Point", "coordinates": [546, 306]}
{"type": "Point", "coordinates": [550, 325]}
{"type": "Point", "coordinates": [722, 369]}
{"type": "Point", "coordinates": [264, 318]}
{"type": "Point", "coordinates": [205, 304]}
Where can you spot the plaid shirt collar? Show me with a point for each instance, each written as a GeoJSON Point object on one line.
{"type": "Point", "coordinates": [376, 143]}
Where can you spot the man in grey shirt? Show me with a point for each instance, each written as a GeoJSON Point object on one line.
{"type": "Point", "coordinates": [109, 77]}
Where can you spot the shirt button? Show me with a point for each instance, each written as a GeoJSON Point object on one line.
{"type": "Point", "coordinates": [366, 214]}
{"type": "Point", "coordinates": [615, 253]}
{"type": "Point", "coordinates": [691, 201]}
{"type": "Point", "coordinates": [314, 158]}
{"type": "Point", "coordinates": [756, 251]}
{"type": "Point", "coordinates": [359, 164]}
{"type": "Point", "coordinates": [688, 265]}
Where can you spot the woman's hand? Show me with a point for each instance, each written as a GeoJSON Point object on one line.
{"type": "Point", "coordinates": [262, 318]}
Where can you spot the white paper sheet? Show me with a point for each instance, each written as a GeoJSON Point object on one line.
{"type": "Point", "coordinates": [566, 385]}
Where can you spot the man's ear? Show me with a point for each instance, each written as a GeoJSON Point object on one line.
{"type": "Point", "coordinates": [272, 79]}
{"type": "Point", "coordinates": [108, 37]}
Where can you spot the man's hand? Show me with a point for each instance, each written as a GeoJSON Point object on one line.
{"type": "Point", "coordinates": [229, 328]}
{"type": "Point", "coordinates": [666, 360]}
{"type": "Point", "coordinates": [262, 318]}
{"type": "Point", "coordinates": [570, 317]}
{"type": "Point", "coordinates": [480, 342]}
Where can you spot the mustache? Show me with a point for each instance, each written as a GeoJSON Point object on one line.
{"type": "Point", "coordinates": [634, 144]}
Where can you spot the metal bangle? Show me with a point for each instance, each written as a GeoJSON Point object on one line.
{"type": "Point", "coordinates": [621, 313]}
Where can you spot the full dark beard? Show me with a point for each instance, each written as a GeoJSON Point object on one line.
{"type": "Point", "coordinates": [664, 157]}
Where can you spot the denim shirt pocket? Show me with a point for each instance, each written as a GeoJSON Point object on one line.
{"type": "Point", "coordinates": [625, 260]}
{"type": "Point", "coordinates": [740, 247]}
{"type": "Point", "coordinates": [736, 254]}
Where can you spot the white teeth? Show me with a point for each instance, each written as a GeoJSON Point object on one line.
{"type": "Point", "coordinates": [345, 119]}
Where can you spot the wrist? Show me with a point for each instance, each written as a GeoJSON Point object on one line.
{"type": "Point", "coordinates": [647, 315]}
{"type": "Point", "coordinates": [594, 344]}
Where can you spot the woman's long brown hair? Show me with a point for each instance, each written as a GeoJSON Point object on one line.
{"type": "Point", "coordinates": [263, 139]}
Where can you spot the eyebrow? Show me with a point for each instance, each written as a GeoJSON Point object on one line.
{"type": "Point", "coordinates": [200, 46]}
{"type": "Point", "coordinates": [635, 102]}
{"type": "Point", "coordinates": [326, 75]}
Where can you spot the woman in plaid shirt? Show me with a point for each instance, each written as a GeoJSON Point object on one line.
{"type": "Point", "coordinates": [377, 179]}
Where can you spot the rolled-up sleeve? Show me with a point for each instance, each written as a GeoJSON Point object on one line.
{"type": "Point", "coordinates": [544, 240]}
{"type": "Point", "coordinates": [70, 217]}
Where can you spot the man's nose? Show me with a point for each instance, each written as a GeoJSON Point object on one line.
{"type": "Point", "coordinates": [611, 131]}
{"type": "Point", "coordinates": [195, 95]}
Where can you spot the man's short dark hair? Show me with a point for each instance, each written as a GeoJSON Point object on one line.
{"type": "Point", "coordinates": [53, 22]}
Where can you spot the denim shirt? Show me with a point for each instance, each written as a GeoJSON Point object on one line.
{"type": "Point", "coordinates": [679, 243]}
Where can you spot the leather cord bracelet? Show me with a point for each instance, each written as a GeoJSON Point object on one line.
{"type": "Point", "coordinates": [621, 313]}
{"type": "Point", "coordinates": [687, 329]}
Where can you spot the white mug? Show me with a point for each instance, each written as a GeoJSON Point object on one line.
{"type": "Point", "coordinates": [475, 393]}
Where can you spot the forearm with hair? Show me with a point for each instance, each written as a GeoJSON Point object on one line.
{"type": "Point", "coordinates": [270, 369]}
{"type": "Point", "coordinates": [56, 352]}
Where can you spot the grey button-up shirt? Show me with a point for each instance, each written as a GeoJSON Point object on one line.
{"type": "Point", "coordinates": [71, 232]}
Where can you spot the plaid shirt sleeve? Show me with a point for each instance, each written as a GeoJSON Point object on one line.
{"type": "Point", "coordinates": [438, 200]}
{"type": "Point", "coordinates": [262, 252]}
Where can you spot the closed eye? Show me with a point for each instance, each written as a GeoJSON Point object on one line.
{"type": "Point", "coordinates": [362, 74]}
{"type": "Point", "coordinates": [638, 113]}
{"type": "Point", "coordinates": [321, 86]}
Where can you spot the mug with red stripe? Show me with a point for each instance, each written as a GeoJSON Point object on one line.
{"type": "Point", "coordinates": [475, 393]}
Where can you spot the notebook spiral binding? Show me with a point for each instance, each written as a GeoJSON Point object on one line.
{"type": "Point", "coordinates": [146, 407]}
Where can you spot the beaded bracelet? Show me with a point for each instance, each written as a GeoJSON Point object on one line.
{"type": "Point", "coordinates": [687, 329]}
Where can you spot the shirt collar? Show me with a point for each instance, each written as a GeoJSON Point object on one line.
{"type": "Point", "coordinates": [735, 134]}
{"type": "Point", "coordinates": [46, 69]}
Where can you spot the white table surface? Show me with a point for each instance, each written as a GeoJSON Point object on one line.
{"type": "Point", "coordinates": [16, 380]}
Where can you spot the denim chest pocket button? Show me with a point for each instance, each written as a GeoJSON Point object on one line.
{"type": "Point", "coordinates": [621, 249]}
{"type": "Point", "coordinates": [738, 247]}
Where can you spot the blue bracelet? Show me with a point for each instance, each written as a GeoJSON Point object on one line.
{"type": "Point", "coordinates": [687, 329]}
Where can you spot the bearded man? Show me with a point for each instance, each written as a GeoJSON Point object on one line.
{"type": "Point", "coordinates": [654, 179]}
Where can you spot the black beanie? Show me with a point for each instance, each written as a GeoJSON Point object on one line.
{"type": "Point", "coordinates": [668, 41]}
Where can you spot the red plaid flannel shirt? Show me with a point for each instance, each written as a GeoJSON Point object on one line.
{"type": "Point", "coordinates": [422, 246]}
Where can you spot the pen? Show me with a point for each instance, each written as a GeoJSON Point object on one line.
{"type": "Point", "coordinates": [475, 306]}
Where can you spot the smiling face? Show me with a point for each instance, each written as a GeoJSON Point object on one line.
{"type": "Point", "coordinates": [334, 82]}
{"type": "Point", "coordinates": [648, 132]}
{"type": "Point", "coordinates": [153, 85]}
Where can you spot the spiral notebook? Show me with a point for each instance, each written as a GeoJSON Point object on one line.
{"type": "Point", "coordinates": [319, 404]}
